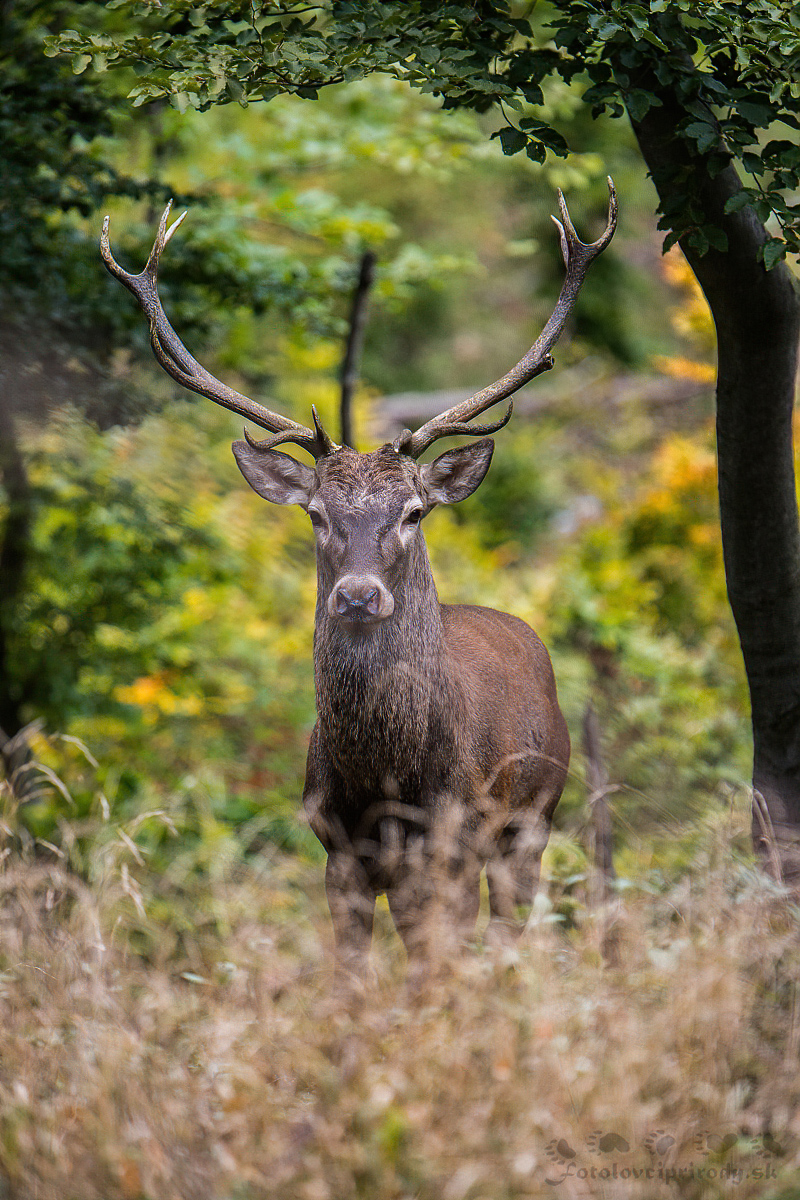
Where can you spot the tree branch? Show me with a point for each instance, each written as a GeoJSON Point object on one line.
{"type": "Point", "coordinates": [13, 553]}
{"type": "Point", "coordinates": [355, 342]}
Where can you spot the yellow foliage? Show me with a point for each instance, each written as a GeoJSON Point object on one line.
{"type": "Point", "coordinates": [704, 535]}
{"type": "Point", "coordinates": [680, 367]}
{"type": "Point", "coordinates": [692, 320]}
{"type": "Point", "coordinates": [142, 691]}
{"type": "Point", "coordinates": [198, 602]}
{"type": "Point", "coordinates": [680, 463]}
{"type": "Point", "coordinates": [151, 692]}
{"type": "Point", "coordinates": [319, 355]}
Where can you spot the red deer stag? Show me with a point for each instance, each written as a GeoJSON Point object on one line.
{"type": "Point", "coordinates": [431, 716]}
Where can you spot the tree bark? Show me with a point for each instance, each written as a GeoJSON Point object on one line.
{"type": "Point", "coordinates": [757, 318]}
{"type": "Point", "coordinates": [13, 552]}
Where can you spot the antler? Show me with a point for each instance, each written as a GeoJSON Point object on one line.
{"type": "Point", "coordinates": [179, 363]}
{"type": "Point", "coordinates": [578, 258]}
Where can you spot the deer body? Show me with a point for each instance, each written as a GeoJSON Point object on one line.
{"type": "Point", "coordinates": [460, 719]}
{"type": "Point", "coordinates": [439, 746]}
{"type": "Point", "coordinates": [435, 721]}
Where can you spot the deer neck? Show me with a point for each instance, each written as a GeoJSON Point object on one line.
{"type": "Point", "coordinates": [379, 693]}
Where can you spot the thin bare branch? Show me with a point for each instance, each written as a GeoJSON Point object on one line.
{"type": "Point", "coordinates": [355, 342]}
{"type": "Point", "coordinates": [598, 789]}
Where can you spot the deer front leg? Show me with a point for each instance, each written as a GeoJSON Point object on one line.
{"type": "Point", "coordinates": [351, 899]}
{"type": "Point", "coordinates": [352, 904]}
{"type": "Point", "coordinates": [434, 902]}
{"type": "Point", "coordinates": [513, 875]}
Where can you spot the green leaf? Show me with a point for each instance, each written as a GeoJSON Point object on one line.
{"type": "Point", "coordinates": [536, 151]}
{"type": "Point", "coordinates": [698, 241]}
{"type": "Point", "coordinates": [760, 115]}
{"type": "Point", "coordinates": [716, 237]}
{"type": "Point", "coordinates": [737, 202]}
{"type": "Point", "coordinates": [650, 37]}
{"type": "Point", "coordinates": [639, 103]}
{"type": "Point", "coordinates": [608, 29]}
{"type": "Point", "coordinates": [429, 54]}
{"type": "Point", "coordinates": [512, 140]}
{"type": "Point", "coordinates": [80, 62]}
{"type": "Point", "coordinates": [772, 252]}
{"type": "Point", "coordinates": [703, 134]}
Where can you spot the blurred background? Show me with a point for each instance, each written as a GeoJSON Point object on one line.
{"type": "Point", "coordinates": [168, 1026]}
{"type": "Point", "coordinates": [161, 613]}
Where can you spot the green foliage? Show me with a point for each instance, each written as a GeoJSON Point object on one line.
{"type": "Point", "coordinates": [732, 67]}
{"type": "Point", "coordinates": [278, 245]}
{"type": "Point", "coordinates": [517, 501]}
{"type": "Point", "coordinates": [104, 558]}
{"type": "Point", "coordinates": [167, 613]}
{"type": "Point", "coordinates": [50, 124]}
{"type": "Point", "coordinates": [641, 594]}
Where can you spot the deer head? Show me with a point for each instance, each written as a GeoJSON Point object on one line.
{"type": "Point", "coordinates": [366, 509]}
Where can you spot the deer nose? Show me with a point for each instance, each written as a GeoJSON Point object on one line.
{"type": "Point", "coordinates": [360, 598]}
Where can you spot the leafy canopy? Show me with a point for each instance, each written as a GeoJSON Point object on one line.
{"type": "Point", "coordinates": [732, 65]}
{"type": "Point", "coordinates": [276, 246]}
{"type": "Point", "coordinates": [50, 126]}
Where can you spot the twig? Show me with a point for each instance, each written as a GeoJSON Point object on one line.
{"type": "Point", "coordinates": [597, 785]}
{"type": "Point", "coordinates": [767, 839]}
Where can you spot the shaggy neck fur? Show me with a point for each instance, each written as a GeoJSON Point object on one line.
{"type": "Point", "coordinates": [381, 694]}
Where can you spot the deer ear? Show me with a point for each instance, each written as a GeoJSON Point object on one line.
{"type": "Point", "coordinates": [456, 474]}
{"type": "Point", "coordinates": [275, 476]}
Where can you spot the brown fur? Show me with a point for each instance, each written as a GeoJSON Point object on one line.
{"type": "Point", "coordinates": [440, 719]}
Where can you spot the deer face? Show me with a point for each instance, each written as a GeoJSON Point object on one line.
{"type": "Point", "coordinates": [366, 511]}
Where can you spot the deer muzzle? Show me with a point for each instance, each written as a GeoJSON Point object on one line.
{"type": "Point", "coordinates": [360, 600]}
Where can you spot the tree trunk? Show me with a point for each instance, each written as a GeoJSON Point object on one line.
{"type": "Point", "coordinates": [757, 317]}
{"type": "Point", "coordinates": [13, 551]}
{"type": "Point", "coordinates": [355, 342]}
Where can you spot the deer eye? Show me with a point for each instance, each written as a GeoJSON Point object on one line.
{"type": "Point", "coordinates": [317, 519]}
{"type": "Point", "coordinates": [414, 517]}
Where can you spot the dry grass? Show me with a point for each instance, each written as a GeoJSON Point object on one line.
{"type": "Point", "coordinates": [650, 1049]}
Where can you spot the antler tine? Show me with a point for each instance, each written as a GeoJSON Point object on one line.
{"type": "Point", "coordinates": [183, 367]}
{"type": "Point", "coordinates": [321, 438]}
{"type": "Point", "coordinates": [578, 257]}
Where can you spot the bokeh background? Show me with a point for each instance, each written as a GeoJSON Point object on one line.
{"type": "Point", "coordinates": [164, 976]}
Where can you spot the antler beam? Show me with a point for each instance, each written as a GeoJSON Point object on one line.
{"type": "Point", "coordinates": [578, 257]}
{"type": "Point", "coordinates": [179, 363]}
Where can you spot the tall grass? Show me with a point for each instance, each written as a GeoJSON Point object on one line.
{"type": "Point", "coordinates": [643, 1049]}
